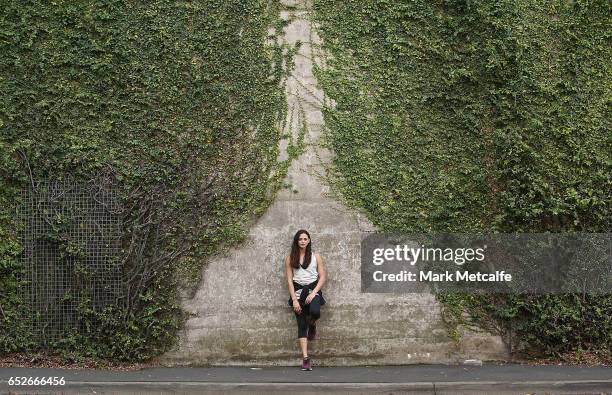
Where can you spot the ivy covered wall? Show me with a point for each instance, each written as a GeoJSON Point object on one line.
{"type": "Point", "coordinates": [179, 104]}
{"type": "Point", "coordinates": [474, 116]}
{"type": "Point", "coordinates": [460, 116]}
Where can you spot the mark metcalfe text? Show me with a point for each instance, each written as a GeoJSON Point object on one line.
{"type": "Point", "coordinates": [412, 255]}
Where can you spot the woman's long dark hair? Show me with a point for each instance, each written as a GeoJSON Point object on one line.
{"type": "Point", "coordinates": [295, 251]}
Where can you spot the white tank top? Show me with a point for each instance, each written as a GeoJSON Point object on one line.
{"type": "Point", "coordinates": [306, 276]}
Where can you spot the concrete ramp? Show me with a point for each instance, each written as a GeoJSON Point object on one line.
{"type": "Point", "coordinates": [240, 312]}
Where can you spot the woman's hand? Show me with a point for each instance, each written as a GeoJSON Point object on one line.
{"type": "Point", "coordinates": [310, 297]}
{"type": "Point", "coordinates": [296, 307]}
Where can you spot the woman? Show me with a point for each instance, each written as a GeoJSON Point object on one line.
{"type": "Point", "coordinates": [305, 278]}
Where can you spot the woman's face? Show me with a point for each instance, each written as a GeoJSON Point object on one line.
{"type": "Point", "coordinates": [303, 240]}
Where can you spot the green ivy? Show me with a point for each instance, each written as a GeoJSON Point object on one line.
{"type": "Point", "coordinates": [181, 103]}
{"type": "Point", "coordinates": [474, 116]}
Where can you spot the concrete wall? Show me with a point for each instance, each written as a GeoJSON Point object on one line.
{"type": "Point", "coordinates": [240, 312]}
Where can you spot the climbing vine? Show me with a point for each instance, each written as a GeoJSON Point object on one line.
{"type": "Point", "coordinates": [179, 104]}
{"type": "Point", "coordinates": [472, 116]}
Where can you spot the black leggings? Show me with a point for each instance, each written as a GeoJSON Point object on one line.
{"type": "Point", "coordinates": [310, 312]}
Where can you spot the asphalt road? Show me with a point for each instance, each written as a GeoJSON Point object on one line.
{"type": "Point", "coordinates": [413, 379]}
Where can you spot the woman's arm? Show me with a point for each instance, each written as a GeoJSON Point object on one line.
{"type": "Point", "coordinates": [289, 274]}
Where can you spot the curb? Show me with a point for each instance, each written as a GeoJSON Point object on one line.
{"type": "Point", "coordinates": [468, 387]}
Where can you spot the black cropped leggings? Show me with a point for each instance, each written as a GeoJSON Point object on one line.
{"type": "Point", "coordinates": [310, 312]}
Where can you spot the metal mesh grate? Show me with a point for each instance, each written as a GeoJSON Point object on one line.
{"type": "Point", "coordinates": [72, 240]}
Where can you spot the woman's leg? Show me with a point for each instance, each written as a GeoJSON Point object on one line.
{"type": "Point", "coordinates": [302, 322]}
{"type": "Point", "coordinates": [314, 309]}
{"type": "Point", "coordinates": [315, 313]}
{"type": "Point", "coordinates": [303, 346]}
